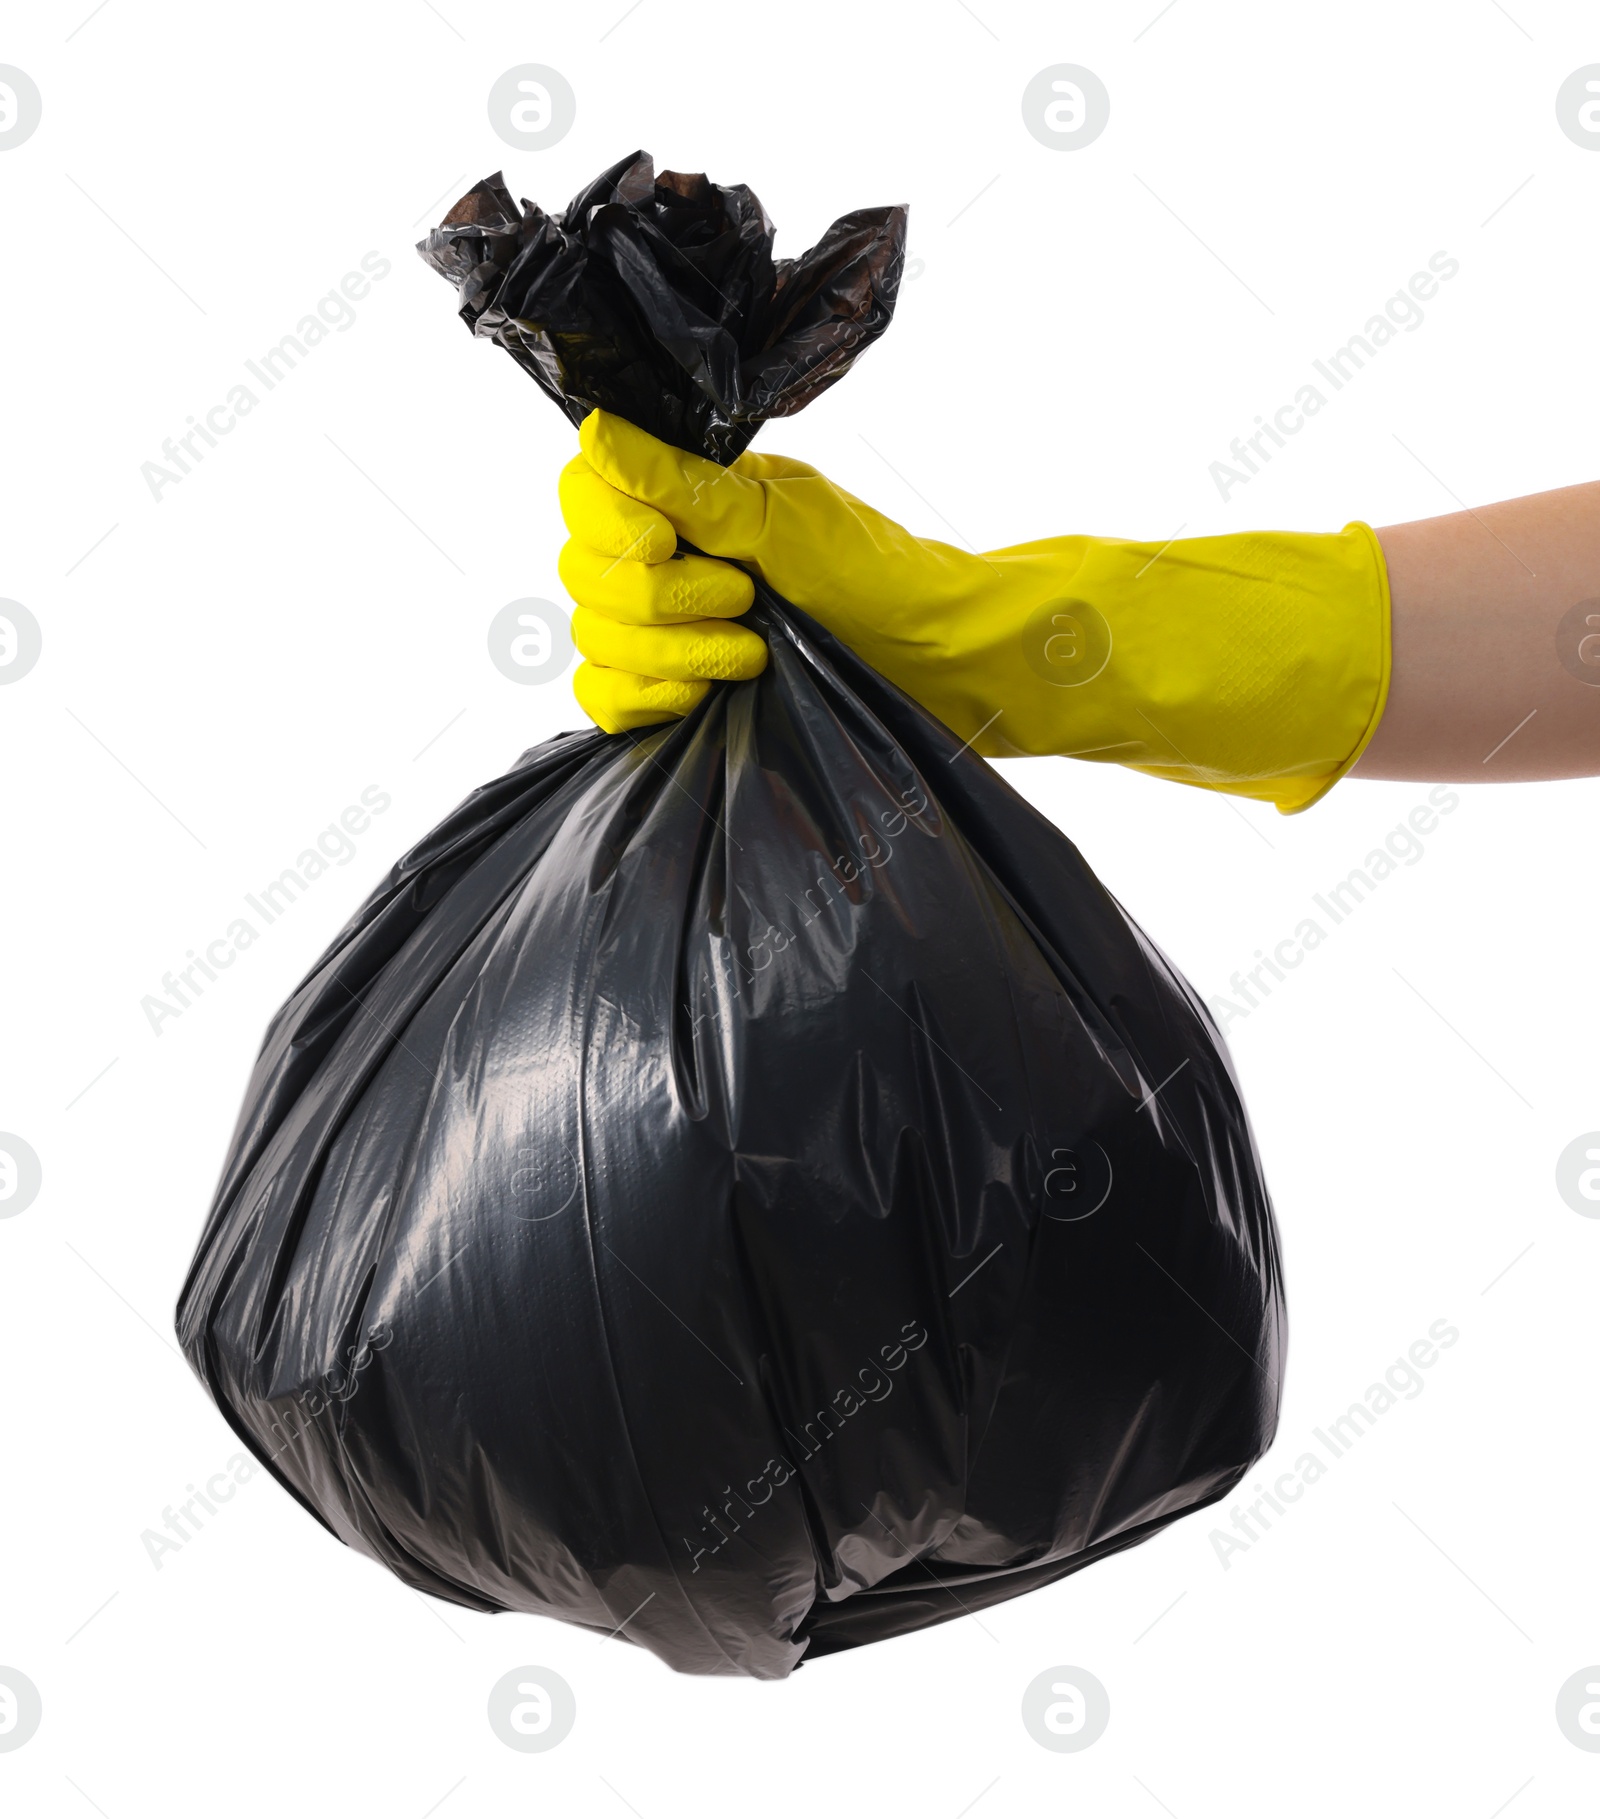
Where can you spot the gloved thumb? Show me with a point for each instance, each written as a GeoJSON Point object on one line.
{"type": "Point", "coordinates": [712, 507]}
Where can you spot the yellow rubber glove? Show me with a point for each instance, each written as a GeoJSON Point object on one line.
{"type": "Point", "coordinates": [1257, 664]}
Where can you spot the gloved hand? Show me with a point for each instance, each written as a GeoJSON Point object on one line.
{"type": "Point", "coordinates": [1256, 664]}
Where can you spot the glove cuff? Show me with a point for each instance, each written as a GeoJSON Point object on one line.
{"type": "Point", "coordinates": [1371, 668]}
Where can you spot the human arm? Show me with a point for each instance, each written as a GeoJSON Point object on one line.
{"type": "Point", "coordinates": [1257, 664]}
{"type": "Point", "coordinates": [1496, 630]}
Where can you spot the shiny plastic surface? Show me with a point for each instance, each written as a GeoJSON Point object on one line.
{"type": "Point", "coordinates": [660, 299]}
{"type": "Point", "coordinates": [745, 1185]}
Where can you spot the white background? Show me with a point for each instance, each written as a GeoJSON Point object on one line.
{"type": "Point", "coordinates": [1086, 333]}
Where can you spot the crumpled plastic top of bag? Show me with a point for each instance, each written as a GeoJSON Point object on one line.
{"type": "Point", "coordinates": [659, 298]}
{"type": "Point", "coordinates": [743, 1186]}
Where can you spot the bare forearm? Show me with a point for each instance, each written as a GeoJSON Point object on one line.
{"type": "Point", "coordinates": [1493, 680]}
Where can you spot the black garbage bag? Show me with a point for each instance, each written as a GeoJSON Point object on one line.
{"type": "Point", "coordinates": [744, 1185]}
{"type": "Point", "coordinates": [659, 298]}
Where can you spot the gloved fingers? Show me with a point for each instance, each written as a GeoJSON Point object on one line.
{"type": "Point", "coordinates": [719, 508]}
{"type": "Point", "coordinates": [753, 465]}
{"type": "Point", "coordinates": [641, 593]}
{"type": "Point", "coordinates": [611, 522]}
{"type": "Point", "coordinates": [705, 650]}
{"type": "Point", "coordinates": [617, 700]}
